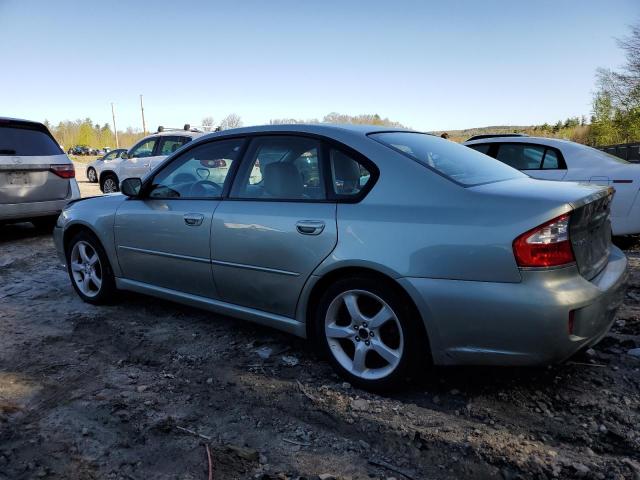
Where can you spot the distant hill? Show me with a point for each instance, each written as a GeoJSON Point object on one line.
{"type": "Point", "coordinates": [577, 133]}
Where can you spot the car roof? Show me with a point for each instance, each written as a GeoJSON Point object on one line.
{"type": "Point", "coordinates": [327, 129]}
{"type": "Point", "coordinates": [21, 120]}
{"type": "Point", "coordinates": [557, 142]}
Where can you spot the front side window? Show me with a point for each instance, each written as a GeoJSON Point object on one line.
{"type": "Point", "coordinates": [281, 168]}
{"type": "Point", "coordinates": [200, 172]}
{"type": "Point", "coordinates": [521, 155]}
{"type": "Point", "coordinates": [168, 145]}
{"type": "Point", "coordinates": [456, 162]}
{"type": "Point", "coordinates": [348, 176]}
{"type": "Point", "coordinates": [144, 149]}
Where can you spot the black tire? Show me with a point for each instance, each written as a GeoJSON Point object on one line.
{"type": "Point", "coordinates": [92, 176]}
{"type": "Point", "coordinates": [105, 180]}
{"type": "Point", "coordinates": [45, 224]}
{"type": "Point", "coordinates": [415, 353]}
{"type": "Point", "coordinates": [107, 291]}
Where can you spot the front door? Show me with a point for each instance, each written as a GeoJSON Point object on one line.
{"type": "Point", "coordinates": [163, 238]}
{"type": "Point", "coordinates": [276, 227]}
{"type": "Point", "coordinates": [137, 163]}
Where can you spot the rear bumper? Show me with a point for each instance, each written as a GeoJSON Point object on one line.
{"type": "Point", "coordinates": [28, 210]}
{"type": "Point", "coordinates": [526, 323]}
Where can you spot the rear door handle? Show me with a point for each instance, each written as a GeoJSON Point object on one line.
{"type": "Point", "coordinates": [310, 227]}
{"type": "Point", "coordinates": [193, 219]}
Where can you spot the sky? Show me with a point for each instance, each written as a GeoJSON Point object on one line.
{"type": "Point", "coordinates": [429, 65]}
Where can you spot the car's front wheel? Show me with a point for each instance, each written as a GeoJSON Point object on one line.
{"type": "Point", "coordinates": [91, 175]}
{"type": "Point", "coordinates": [110, 183]}
{"type": "Point", "coordinates": [368, 333]}
{"type": "Point", "coordinates": [89, 269]}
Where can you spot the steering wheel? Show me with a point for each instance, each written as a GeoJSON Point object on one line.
{"type": "Point", "coordinates": [202, 188]}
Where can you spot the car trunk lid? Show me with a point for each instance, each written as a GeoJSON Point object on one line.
{"type": "Point", "coordinates": [29, 179]}
{"type": "Point", "coordinates": [534, 202]}
{"type": "Point", "coordinates": [27, 152]}
{"type": "Point", "coordinates": [590, 234]}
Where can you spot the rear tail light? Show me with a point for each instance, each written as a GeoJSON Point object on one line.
{"type": "Point", "coordinates": [65, 170]}
{"type": "Point", "coordinates": [545, 246]}
{"type": "Point", "coordinates": [219, 164]}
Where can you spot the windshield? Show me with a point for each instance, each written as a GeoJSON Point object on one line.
{"type": "Point", "coordinates": [602, 154]}
{"type": "Point", "coordinates": [456, 162]}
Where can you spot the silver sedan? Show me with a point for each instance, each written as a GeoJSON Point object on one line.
{"type": "Point", "coordinates": [390, 249]}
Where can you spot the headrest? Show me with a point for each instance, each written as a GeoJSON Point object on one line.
{"type": "Point", "coordinates": [283, 180]}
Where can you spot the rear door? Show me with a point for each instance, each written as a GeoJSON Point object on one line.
{"type": "Point", "coordinates": [276, 226]}
{"type": "Point", "coordinates": [27, 153]}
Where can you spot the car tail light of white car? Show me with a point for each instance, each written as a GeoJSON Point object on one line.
{"type": "Point", "coordinates": [547, 245]}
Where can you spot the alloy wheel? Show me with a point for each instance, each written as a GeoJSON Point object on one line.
{"type": "Point", "coordinates": [91, 175]}
{"type": "Point", "coordinates": [86, 268]}
{"type": "Point", "coordinates": [110, 186]}
{"type": "Point", "coordinates": [364, 334]}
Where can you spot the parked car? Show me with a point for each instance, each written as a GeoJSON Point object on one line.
{"type": "Point", "coordinates": [36, 177]}
{"type": "Point", "coordinates": [109, 160]}
{"type": "Point", "coordinates": [79, 150]}
{"type": "Point", "coordinates": [386, 247]}
{"type": "Point", "coordinates": [144, 156]}
{"type": "Point", "coordinates": [554, 159]}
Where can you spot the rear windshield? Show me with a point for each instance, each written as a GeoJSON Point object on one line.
{"type": "Point", "coordinates": [26, 141]}
{"type": "Point", "coordinates": [456, 162]}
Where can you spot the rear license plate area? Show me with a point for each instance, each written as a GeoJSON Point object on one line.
{"type": "Point", "coordinates": [18, 178]}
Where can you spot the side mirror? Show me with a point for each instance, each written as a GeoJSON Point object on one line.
{"type": "Point", "coordinates": [131, 187]}
{"type": "Point", "coordinates": [124, 155]}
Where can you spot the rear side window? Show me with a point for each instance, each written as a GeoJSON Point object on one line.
{"type": "Point", "coordinates": [482, 148]}
{"type": "Point", "coordinates": [456, 162]}
{"type": "Point", "coordinates": [168, 145]}
{"type": "Point", "coordinates": [525, 156]}
{"type": "Point", "coordinates": [521, 156]}
{"type": "Point", "coordinates": [348, 176]}
{"type": "Point", "coordinates": [550, 160]}
{"type": "Point", "coordinates": [280, 168]}
{"type": "Point", "coordinates": [28, 142]}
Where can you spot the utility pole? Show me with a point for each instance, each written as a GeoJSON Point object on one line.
{"type": "Point", "coordinates": [144, 125]}
{"type": "Point", "coordinates": [115, 129]}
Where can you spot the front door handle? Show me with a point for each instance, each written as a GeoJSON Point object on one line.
{"type": "Point", "coordinates": [193, 219]}
{"type": "Point", "coordinates": [310, 227]}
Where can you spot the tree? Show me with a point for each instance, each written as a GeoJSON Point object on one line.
{"type": "Point", "coordinates": [208, 124]}
{"type": "Point", "coordinates": [232, 120]}
{"type": "Point", "coordinates": [616, 104]}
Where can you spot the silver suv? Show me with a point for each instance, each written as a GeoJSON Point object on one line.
{"type": "Point", "coordinates": [37, 179]}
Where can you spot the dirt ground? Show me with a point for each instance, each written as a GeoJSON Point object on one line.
{"type": "Point", "coordinates": [142, 389]}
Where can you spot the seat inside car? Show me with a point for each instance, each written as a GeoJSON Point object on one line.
{"type": "Point", "coordinates": [283, 180]}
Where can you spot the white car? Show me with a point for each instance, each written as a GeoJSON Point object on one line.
{"type": "Point", "coordinates": [145, 155]}
{"type": "Point", "coordinates": [108, 161]}
{"type": "Point", "coordinates": [554, 159]}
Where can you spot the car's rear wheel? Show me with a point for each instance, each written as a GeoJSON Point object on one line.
{"type": "Point", "coordinates": [89, 269]}
{"type": "Point", "coordinates": [92, 175]}
{"type": "Point", "coordinates": [109, 183]}
{"type": "Point", "coordinates": [369, 333]}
